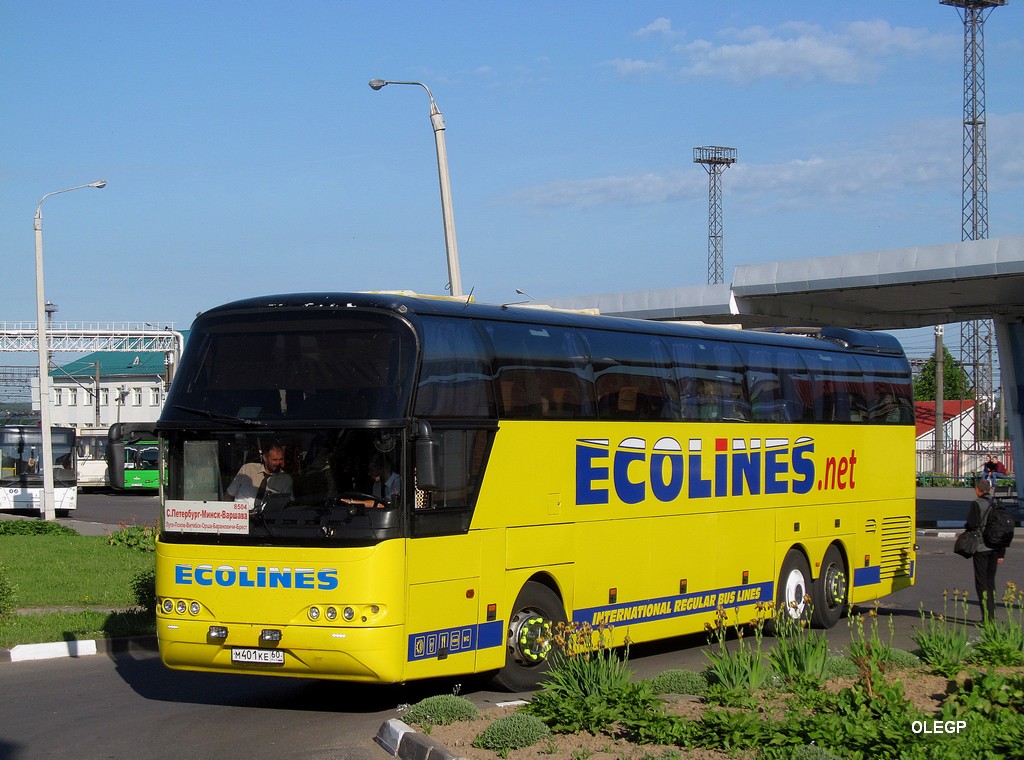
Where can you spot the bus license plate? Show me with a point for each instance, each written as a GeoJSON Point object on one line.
{"type": "Point", "coordinates": [258, 656]}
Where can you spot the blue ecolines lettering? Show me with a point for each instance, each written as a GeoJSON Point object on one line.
{"type": "Point", "coordinates": [227, 576]}
{"type": "Point", "coordinates": [666, 471]}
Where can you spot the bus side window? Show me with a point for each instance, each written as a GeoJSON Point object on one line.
{"type": "Point", "coordinates": [455, 378]}
{"type": "Point", "coordinates": [542, 371]}
{"type": "Point", "coordinates": [632, 376]}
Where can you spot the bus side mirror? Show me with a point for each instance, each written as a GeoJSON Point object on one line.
{"type": "Point", "coordinates": [428, 455]}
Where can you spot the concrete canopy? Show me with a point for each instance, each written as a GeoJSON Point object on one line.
{"type": "Point", "coordinates": [902, 288]}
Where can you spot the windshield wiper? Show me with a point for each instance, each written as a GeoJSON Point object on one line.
{"type": "Point", "coordinates": [220, 417]}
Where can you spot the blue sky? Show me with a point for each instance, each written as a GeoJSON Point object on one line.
{"type": "Point", "coordinates": [245, 153]}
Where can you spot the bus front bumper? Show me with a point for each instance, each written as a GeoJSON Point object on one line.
{"type": "Point", "coordinates": [303, 651]}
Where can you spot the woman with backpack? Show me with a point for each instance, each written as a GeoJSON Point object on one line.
{"type": "Point", "coordinates": [986, 560]}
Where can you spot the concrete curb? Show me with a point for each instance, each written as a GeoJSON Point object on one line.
{"type": "Point", "coordinates": [77, 648]}
{"type": "Point", "coordinates": [401, 741]}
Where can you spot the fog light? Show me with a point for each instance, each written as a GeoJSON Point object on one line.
{"type": "Point", "coordinates": [168, 606]}
{"type": "Point", "coordinates": [348, 613]}
{"type": "Point", "coordinates": [194, 608]}
{"type": "Point", "coordinates": [332, 613]}
{"type": "Point", "coordinates": [270, 634]}
{"type": "Point", "coordinates": [375, 609]}
{"type": "Point", "coordinates": [314, 613]}
{"type": "Point", "coordinates": [180, 607]}
{"type": "Point", "coordinates": [217, 632]}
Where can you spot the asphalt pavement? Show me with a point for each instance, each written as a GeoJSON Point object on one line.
{"type": "Point", "coordinates": [941, 511]}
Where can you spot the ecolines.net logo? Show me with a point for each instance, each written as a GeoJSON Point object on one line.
{"type": "Point", "coordinates": [635, 470]}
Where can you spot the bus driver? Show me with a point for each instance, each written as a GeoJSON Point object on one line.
{"type": "Point", "coordinates": [256, 481]}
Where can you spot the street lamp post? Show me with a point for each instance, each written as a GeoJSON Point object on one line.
{"type": "Point", "coordinates": [46, 461]}
{"type": "Point", "coordinates": [451, 246]}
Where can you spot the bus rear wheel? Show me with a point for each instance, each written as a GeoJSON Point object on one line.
{"type": "Point", "coordinates": [829, 592]}
{"type": "Point", "coordinates": [531, 629]}
{"type": "Point", "coordinates": [794, 587]}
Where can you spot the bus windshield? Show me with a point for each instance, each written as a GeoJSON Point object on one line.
{"type": "Point", "coordinates": [328, 392]}
{"type": "Point", "coordinates": [310, 368]}
{"type": "Point", "coordinates": [323, 489]}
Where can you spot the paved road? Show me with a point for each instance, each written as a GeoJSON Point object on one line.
{"type": "Point", "coordinates": [127, 705]}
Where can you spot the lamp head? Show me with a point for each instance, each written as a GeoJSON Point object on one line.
{"type": "Point", "coordinates": [377, 83]}
{"type": "Point", "coordinates": [99, 184]}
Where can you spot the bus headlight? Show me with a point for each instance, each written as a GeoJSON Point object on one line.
{"type": "Point", "coordinates": [168, 606]}
{"type": "Point", "coordinates": [180, 607]}
{"type": "Point", "coordinates": [332, 613]}
{"type": "Point", "coordinates": [348, 613]}
{"type": "Point", "coordinates": [194, 608]}
{"type": "Point", "coordinates": [314, 613]}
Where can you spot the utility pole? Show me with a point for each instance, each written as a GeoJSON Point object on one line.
{"type": "Point", "coordinates": [715, 160]}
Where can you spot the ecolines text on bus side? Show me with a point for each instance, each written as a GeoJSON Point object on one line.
{"type": "Point", "coordinates": [703, 468]}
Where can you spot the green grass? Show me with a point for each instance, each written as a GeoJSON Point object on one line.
{"type": "Point", "coordinates": [70, 626]}
{"type": "Point", "coordinates": [84, 573]}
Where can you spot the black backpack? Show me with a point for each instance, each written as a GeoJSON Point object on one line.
{"type": "Point", "coordinates": [997, 531]}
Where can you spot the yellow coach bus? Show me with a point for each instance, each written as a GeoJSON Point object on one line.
{"type": "Point", "coordinates": [430, 485]}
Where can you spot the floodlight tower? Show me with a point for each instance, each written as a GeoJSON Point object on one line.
{"type": "Point", "coordinates": [976, 338]}
{"type": "Point", "coordinates": [715, 160]}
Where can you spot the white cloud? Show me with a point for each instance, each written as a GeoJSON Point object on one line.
{"type": "Point", "coordinates": [797, 51]}
{"type": "Point", "coordinates": [636, 189]}
{"type": "Point", "coordinates": [660, 26]}
{"type": "Point", "coordinates": [625, 67]}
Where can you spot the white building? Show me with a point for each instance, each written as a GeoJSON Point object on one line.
{"type": "Point", "coordinates": [106, 387]}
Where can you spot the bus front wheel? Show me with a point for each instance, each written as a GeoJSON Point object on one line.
{"type": "Point", "coordinates": [531, 628]}
{"type": "Point", "coordinates": [794, 587]}
{"type": "Point", "coordinates": [829, 592]}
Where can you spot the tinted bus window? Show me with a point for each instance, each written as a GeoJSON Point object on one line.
{"type": "Point", "coordinates": [837, 387]}
{"type": "Point", "coordinates": [773, 377]}
{"type": "Point", "coordinates": [890, 394]}
{"type": "Point", "coordinates": [709, 375]}
{"type": "Point", "coordinates": [542, 372]}
{"type": "Point", "coordinates": [632, 376]}
{"type": "Point", "coordinates": [456, 376]}
{"type": "Point", "coordinates": [308, 368]}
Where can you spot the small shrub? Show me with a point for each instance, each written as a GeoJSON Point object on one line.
{"type": "Point", "coordinates": [733, 730]}
{"type": "Point", "coordinates": [986, 694]}
{"type": "Point", "coordinates": [840, 666]}
{"type": "Point", "coordinates": [588, 687]}
{"type": "Point", "coordinates": [34, 528]}
{"type": "Point", "coordinates": [800, 656]}
{"type": "Point", "coordinates": [510, 732]}
{"type": "Point", "coordinates": [677, 681]}
{"type": "Point", "coordinates": [1002, 643]}
{"type": "Point", "coordinates": [942, 640]}
{"type": "Point", "coordinates": [735, 673]}
{"type": "Point", "coordinates": [441, 710]}
{"type": "Point", "coordinates": [144, 590]}
{"type": "Point", "coordinates": [8, 594]}
{"type": "Point", "coordinates": [810, 752]}
{"type": "Point", "coordinates": [869, 653]}
{"type": "Point", "coordinates": [141, 538]}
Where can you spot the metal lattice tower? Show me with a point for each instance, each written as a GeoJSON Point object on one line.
{"type": "Point", "coordinates": [977, 337]}
{"type": "Point", "coordinates": [715, 160]}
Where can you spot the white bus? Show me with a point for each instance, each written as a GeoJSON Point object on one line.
{"type": "Point", "coordinates": [21, 469]}
{"type": "Point", "coordinates": [91, 447]}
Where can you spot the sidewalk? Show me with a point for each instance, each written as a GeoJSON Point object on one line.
{"type": "Point", "coordinates": [946, 507]}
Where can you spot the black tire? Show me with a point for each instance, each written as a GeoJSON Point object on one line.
{"type": "Point", "coordinates": [531, 628]}
{"type": "Point", "coordinates": [794, 587]}
{"type": "Point", "coordinates": [830, 593]}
